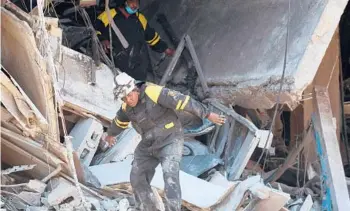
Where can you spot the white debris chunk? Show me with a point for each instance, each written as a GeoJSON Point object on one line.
{"type": "Point", "coordinates": [110, 205]}
{"type": "Point", "coordinates": [36, 208]}
{"type": "Point", "coordinates": [30, 197]}
{"type": "Point", "coordinates": [124, 205]}
{"type": "Point", "coordinates": [94, 202]}
{"type": "Point", "coordinates": [17, 169]}
{"type": "Point", "coordinates": [36, 185]}
{"type": "Point", "coordinates": [62, 191]}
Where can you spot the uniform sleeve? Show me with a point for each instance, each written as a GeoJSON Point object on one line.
{"type": "Point", "coordinates": [175, 100]}
{"type": "Point", "coordinates": [119, 123]}
{"type": "Point", "coordinates": [151, 36]}
{"type": "Point", "coordinates": [102, 25]}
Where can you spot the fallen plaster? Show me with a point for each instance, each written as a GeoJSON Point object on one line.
{"type": "Point", "coordinates": [22, 59]}
{"type": "Point", "coordinates": [75, 90]}
{"type": "Point", "coordinates": [206, 195]}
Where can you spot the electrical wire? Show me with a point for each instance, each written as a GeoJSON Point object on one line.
{"type": "Point", "coordinates": [264, 151]}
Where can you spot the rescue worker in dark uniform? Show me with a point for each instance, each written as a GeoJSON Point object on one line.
{"type": "Point", "coordinates": [152, 111]}
{"type": "Point", "coordinates": [133, 25]}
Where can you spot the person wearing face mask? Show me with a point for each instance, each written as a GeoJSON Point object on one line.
{"type": "Point", "coordinates": [135, 28]}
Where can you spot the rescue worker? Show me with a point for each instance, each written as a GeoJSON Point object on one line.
{"type": "Point", "coordinates": [133, 25]}
{"type": "Point", "coordinates": [152, 111]}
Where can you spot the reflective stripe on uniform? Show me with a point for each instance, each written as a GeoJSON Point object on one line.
{"type": "Point", "coordinates": [143, 20]}
{"type": "Point", "coordinates": [185, 102]}
{"type": "Point", "coordinates": [124, 106]}
{"type": "Point", "coordinates": [121, 124]}
{"type": "Point", "coordinates": [104, 17]}
{"type": "Point", "coordinates": [153, 92]}
{"type": "Point", "coordinates": [169, 125]}
{"type": "Point", "coordinates": [155, 40]}
{"type": "Point", "coordinates": [178, 105]}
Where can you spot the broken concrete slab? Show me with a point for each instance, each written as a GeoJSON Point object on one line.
{"type": "Point", "coordinates": [30, 198]}
{"type": "Point", "coordinates": [77, 93]}
{"type": "Point", "coordinates": [206, 195]}
{"type": "Point", "coordinates": [36, 185]}
{"type": "Point", "coordinates": [253, 43]}
{"type": "Point", "coordinates": [62, 191]}
{"type": "Point", "coordinates": [17, 169]}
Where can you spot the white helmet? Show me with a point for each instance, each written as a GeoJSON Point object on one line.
{"type": "Point", "coordinates": [123, 85]}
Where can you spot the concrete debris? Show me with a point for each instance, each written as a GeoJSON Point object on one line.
{"type": "Point", "coordinates": [62, 191]}
{"type": "Point", "coordinates": [110, 205]}
{"type": "Point", "coordinates": [36, 185]}
{"type": "Point", "coordinates": [34, 208]}
{"type": "Point", "coordinates": [221, 165]}
{"type": "Point", "coordinates": [124, 205]}
{"type": "Point", "coordinates": [30, 197]}
{"type": "Point", "coordinates": [17, 169]}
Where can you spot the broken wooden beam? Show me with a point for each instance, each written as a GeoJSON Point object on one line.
{"type": "Point", "coordinates": [289, 162]}
{"type": "Point", "coordinates": [329, 152]}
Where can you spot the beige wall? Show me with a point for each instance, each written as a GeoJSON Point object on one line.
{"type": "Point", "coordinates": [328, 76]}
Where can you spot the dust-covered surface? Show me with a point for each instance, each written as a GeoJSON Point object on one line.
{"type": "Point", "coordinates": [241, 44]}
{"type": "Point", "coordinates": [74, 87]}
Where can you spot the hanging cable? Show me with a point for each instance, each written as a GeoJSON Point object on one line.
{"type": "Point", "coordinates": [264, 151]}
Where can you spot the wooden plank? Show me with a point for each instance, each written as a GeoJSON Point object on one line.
{"type": "Point", "coordinates": [331, 161]}
{"type": "Point", "coordinates": [22, 59]}
{"type": "Point", "coordinates": [34, 147]}
{"type": "Point", "coordinates": [14, 155]}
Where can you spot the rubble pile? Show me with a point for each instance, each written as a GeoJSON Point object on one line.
{"type": "Point", "coordinates": [53, 154]}
{"type": "Point", "coordinates": [19, 193]}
